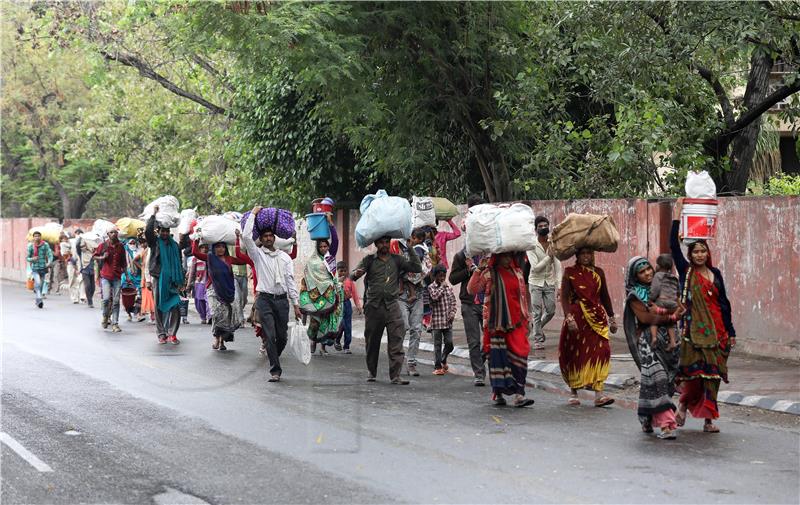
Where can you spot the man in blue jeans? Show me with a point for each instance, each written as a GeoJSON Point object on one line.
{"type": "Point", "coordinates": [111, 254]}
{"type": "Point", "coordinates": [40, 255]}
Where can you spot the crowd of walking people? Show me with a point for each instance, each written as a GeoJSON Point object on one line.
{"type": "Point", "coordinates": [677, 315]}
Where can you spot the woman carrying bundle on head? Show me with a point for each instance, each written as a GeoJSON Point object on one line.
{"type": "Point", "coordinates": [321, 297]}
{"type": "Point", "coordinates": [221, 289]}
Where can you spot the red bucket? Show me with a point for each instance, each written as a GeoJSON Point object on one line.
{"type": "Point", "coordinates": [699, 218]}
{"type": "Point", "coordinates": [322, 205]}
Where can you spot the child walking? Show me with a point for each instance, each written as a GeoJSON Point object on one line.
{"type": "Point", "coordinates": [350, 298]}
{"type": "Point", "coordinates": [443, 311]}
{"type": "Point", "coordinates": [664, 292]}
{"type": "Point", "coordinates": [196, 284]}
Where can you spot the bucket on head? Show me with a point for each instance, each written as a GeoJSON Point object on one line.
{"type": "Point", "coordinates": [318, 227]}
{"type": "Point", "coordinates": [699, 218]}
{"type": "Point", "coordinates": [322, 205]}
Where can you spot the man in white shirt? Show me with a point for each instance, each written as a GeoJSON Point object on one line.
{"type": "Point", "coordinates": [276, 287]}
{"type": "Point", "coordinates": [544, 278]}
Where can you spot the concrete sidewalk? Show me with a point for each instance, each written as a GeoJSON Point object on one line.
{"type": "Point", "coordinates": [765, 383]}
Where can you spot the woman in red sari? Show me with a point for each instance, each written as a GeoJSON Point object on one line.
{"type": "Point", "coordinates": [707, 330]}
{"type": "Point", "coordinates": [505, 325]}
{"type": "Point", "coordinates": [584, 352]}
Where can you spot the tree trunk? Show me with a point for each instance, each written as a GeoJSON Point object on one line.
{"type": "Point", "coordinates": [744, 143]}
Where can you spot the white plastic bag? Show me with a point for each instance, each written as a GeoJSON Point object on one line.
{"type": "Point", "coordinates": [383, 216]}
{"type": "Point", "coordinates": [168, 216]}
{"type": "Point", "coordinates": [494, 229]}
{"type": "Point", "coordinates": [298, 341]}
{"type": "Point", "coordinates": [215, 229]}
{"type": "Point", "coordinates": [187, 216]}
{"type": "Point", "coordinates": [700, 185]}
{"type": "Point", "coordinates": [423, 212]}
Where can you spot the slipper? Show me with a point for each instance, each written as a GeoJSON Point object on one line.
{"type": "Point", "coordinates": [667, 435]}
{"type": "Point", "coordinates": [573, 401]}
{"type": "Point", "coordinates": [680, 418]}
{"type": "Point", "coordinates": [603, 401]}
{"type": "Point", "coordinates": [524, 402]}
{"type": "Point", "coordinates": [710, 428]}
{"type": "Point", "coordinates": [274, 378]}
{"type": "Point", "coordinates": [647, 428]}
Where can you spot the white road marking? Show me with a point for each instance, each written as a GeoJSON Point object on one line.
{"type": "Point", "coordinates": [24, 453]}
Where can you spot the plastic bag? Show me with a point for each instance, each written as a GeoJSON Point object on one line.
{"type": "Point", "coordinates": [577, 231]}
{"type": "Point", "coordinates": [188, 216]}
{"type": "Point", "coordinates": [501, 228]}
{"type": "Point", "coordinates": [298, 341]}
{"type": "Point", "coordinates": [168, 216]}
{"type": "Point", "coordinates": [700, 185]}
{"type": "Point", "coordinates": [423, 212]}
{"type": "Point", "coordinates": [215, 229]}
{"type": "Point", "coordinates": [383, 216]}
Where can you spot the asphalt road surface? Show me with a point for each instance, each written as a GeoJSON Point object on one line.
{"type": "Point", "coordinates": [89, 416]}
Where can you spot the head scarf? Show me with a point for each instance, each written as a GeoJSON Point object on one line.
{"type": "Point", "coordinates": [221, 275]}
{"type": "Point", "coordinates": [632, 284]}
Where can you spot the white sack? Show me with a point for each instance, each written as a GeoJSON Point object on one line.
{"type": "Point", "coordinates": [101, 228]}
{"type": "Point", "coordinates": [215, 229]}
{"type": "Point", "coordinates": [494, 229]}
{"type": "Point", "coordinates": [168, 216]}
{"type": "Point", "coordinates": [187, 216]}
{"type": "Point", "coordinates": [700, 185]}
{"type": "Point", "coordinates": [423, 212]}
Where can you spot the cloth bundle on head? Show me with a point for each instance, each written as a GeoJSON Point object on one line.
{"type": "Point", "coordinates": [578, 231]}
{"type": "Point", "coordinates": [280, 221]}
{"type": "Point", "coordinates": [129, 227]}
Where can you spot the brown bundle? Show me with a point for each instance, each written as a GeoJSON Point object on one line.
{"type": "Point", "coordinates": [584, 230]}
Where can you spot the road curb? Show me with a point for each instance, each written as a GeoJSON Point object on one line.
{"type": "Point", "coordinates": [620, 381]}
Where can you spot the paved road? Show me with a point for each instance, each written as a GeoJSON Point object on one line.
{"type": "Point", "coordinates": [121, 419]}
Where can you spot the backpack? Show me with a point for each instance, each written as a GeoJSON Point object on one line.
{"type": "Point", "coordinates": [369, 259]}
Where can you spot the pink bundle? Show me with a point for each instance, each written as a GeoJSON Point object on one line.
{"type": "Point", "coordinates": [280, 221]}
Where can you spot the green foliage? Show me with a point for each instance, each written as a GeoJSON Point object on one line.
{"type": "Point", "coordinates": [780, 185]}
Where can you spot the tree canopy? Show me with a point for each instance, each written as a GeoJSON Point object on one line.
{"type": "Point", "coordinates": [110, 104]}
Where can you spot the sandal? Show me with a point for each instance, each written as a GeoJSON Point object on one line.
{"type": "Point", "coordinates": [498, 400]}
{"type": "Point", "coordinates": [603, 401]}
{"type": "Point", "coordinates": [667, 434]}
{"type": "Point", "coordinates": [680, 418]}
{"type": "Point", "coordinates": [222, 346]}
{"type": "Point", "coordinates": [710, 428]}
{"type": "Point", "coordinates": [647, 428]}
{"type": "Point", "coordinates": [523, 402]}
{"type": "Point", "coordinates": [574, 401]}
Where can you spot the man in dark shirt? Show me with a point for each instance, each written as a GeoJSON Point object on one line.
{"type": "Point", "coordinates": [114, 260]}
{"type": "Point", "coordinates": [383, 271]}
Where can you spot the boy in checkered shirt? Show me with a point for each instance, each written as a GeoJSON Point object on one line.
{"type": "Point", "coordinates": [443, 311]}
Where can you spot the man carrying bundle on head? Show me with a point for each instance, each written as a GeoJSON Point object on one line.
{"type": "Point", "coordinates": [275, 287]}
{"type": "Point", "coordinates": [166, 270]}
{"type": "Point", "coordinates": [383, 272]}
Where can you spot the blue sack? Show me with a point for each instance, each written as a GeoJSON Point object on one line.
{"type": "Point", "coordinates": [383, 216]}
